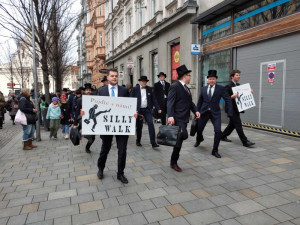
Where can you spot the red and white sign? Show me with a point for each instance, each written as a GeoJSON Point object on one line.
{"type": "Point", "coordinates": [271, 66]}
{"type": "Point", "coordinates": [130, 64]}
{"type": "Point", "coordinates": [271, 77]}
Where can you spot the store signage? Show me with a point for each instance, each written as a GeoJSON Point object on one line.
{"type": "Point", "coordinates": [130, 63]}
{"type": "Point", "coordinates": [245, 99]}
{"type": "Point", "coordinates": [121, 75]}
{"type": "Point", "coordinates": [11, 85]}
{"type": "Point", "coordinates": [271, 66]}
{"type": "Point", "coordinates": [195, 49]}
{"type": "Point", "coordinates": [271, 77]}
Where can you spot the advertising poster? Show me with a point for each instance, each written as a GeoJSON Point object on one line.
{"type": "Point", "coordinates": [245, 99]}
{"type": "Point", "coordinates": [108, 116]}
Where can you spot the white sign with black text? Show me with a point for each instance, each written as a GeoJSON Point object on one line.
{"type": "Point", "coordinates": [108, 115]}
{"type": "Point", "coordinates": [245, 99]}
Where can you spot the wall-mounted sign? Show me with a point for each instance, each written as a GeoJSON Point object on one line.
{"type": "Point", "coordinates": [271, 77]}
{"type": "Point", "coordinates": [130, 63]}
{"type": "Point", "coordinates": [195, 49]}
{"type": "Point", "coordinates": [121, 75]}
{"type": "Point", "coordinates": [271, 66]}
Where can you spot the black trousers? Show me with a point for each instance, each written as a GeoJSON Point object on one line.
{"type": "Point", "coordinates": [235, 123]}
{"type": "Point", "coordinates": [216, 121]}
{"type": "Point", "coordinates": [139, 126]}
{"type": "Point", "coordinates": [177, 148]}
{"type": "Point", "coordinates": [163, 115]}
{"type": "Point", "coordinates": [91, 139]}
{"type": "Point", "coordinates": [105, 148]}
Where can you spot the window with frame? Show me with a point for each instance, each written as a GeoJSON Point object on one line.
{"type": "Point", "coordinates": [100, 9]}
{"type": "Point", "coordinates": [140, 13]}
{"type": "Point", "coordinates": [141, 66]}
{"type": "Point", "coordinates": [153, 6]}
{"type": "Point", "coordinates": [128, 24]}
{"type": "Point", "coordinates": [100, 39]}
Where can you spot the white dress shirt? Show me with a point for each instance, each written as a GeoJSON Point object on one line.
{"type": "Point", "coordinates": [212, 90]}
{"type": "Point", "coordinates": [163, 83]}
{"type": "Point", "coordinates": [143, 97]}
{"type": "Point", "coordinates": [115, 90]}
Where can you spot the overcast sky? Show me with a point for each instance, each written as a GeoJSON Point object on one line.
{"type": "Point", "coordinates": [5, 35]}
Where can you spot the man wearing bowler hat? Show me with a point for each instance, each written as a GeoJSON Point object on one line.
{"type": "Point", "coordinates": [161, 89]}
{"type": "Point", "coordinates": [104, 81]}
{"type": "Point", "coordinates": [208, 106]}
{"type": "Point", "coordinates": [145, 102]}
{"type": "Point", "coordinates": [179, 105]}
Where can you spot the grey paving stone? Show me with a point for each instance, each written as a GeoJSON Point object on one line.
{"type": "Point", "coordinates": [67, 220]}
{"type": "Point", "coordinates": [270, 201]}
{"type": "Point", "coordinates": [230, 222]}
{"type": "Point", "coordinates": [180, 197]}
{"type": "Point", "coordinates": [85, 218]}
{"type": "Point", "coordinates": [280, 186]}
{"type": "Point", "coordinates": [15, 195]}
{"type": "Point", "coordinates": [62, 211]}
{"type": "Point", "coordinates": [264, 190]}
{"type": "Point", "coordinates": [82, 198]}
{"type": "Point", "coordinates": [40, 198]}
{"type": "Point", "coordinates": [4, 220]}
{"type": "Point", "coordinates": [13, 211]}
{"type": "Point", "coordinates": [296, 221]}
{"type": "Point", "coordinates": [114, 212]}
{"type": "Point", "coordinates": [125, 199]}
{"type": "Point", "coordinates": [225, 212]}
{"type": "Point", "coordinates": [160, 202]}
{"type": "Point", "coordinates": [278, 215]}
{"type": "Point", "coordinates": [114, 192]}
{"type": "Point", "coordinates": [30, 186]}
{"type": "Point", "coordinates": [62, 187]}
{"type": "Point", "coordinates": [220, 200]}
{"type": "Point", "coordinates": [3, 204]}
{"type": "Point", "coordinates": [236, 185]}
{"type": "Point", "coordinates": [204, 217]}
{"type": "Point", "coordinates": [36, 217]}
{"type": "Point", "coordinates": [14, 220]}
{"type": "Point", "coordinates": [197, 205]}
{"type": "Point", "coordinates": [46, 222]}
{"type": "Point", "coordinates": [246, 207]}
{"type": "Point", "coordinates": [155, 215]}
{"type": "Point", "coordinates": [155, 184]}
{"type": "Point", "coordinates": [40, 191]}
{"type": "Point", "coordinates": [51, 204]}
{"type": "Point", "coordinates": [135, 219]}
{"type": "Point", "coordinates": [141, 206]}
{"type": "Point", "coordinates": [175, 221]}
{"type": "Point", "coordinates": [87, 190]}
{"type": "Point", "coordinates": [133, 189]}
{"type": "Point", "coordinates": [292, 209]}
{"type": "Point", "coordinates": [100, 195]}
{"type": "Point", "coordinates": [110, 202]}
{"type": "Point", "coordinates": [148, 194]}
{"type": "Point", "coordinates": [257, 218]}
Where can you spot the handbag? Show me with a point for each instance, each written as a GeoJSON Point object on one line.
{"type": "Point", "coordinates": [20, 118]}
{"type": "Point", "coordinates": [194, 127]}
{"type": "Point", "coordinates": [168, 135]}
{"type": "Point", "coordinates": [75, 136]}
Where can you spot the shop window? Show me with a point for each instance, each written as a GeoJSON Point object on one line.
{"type": "Point", "coordinates": [264, 11]}
{"type": "Point", "coordinates": [155, 67]}
{"type": "Point", "coordinates": [175, 51]}
{"type": "Point", "coordinates": [219, 61]}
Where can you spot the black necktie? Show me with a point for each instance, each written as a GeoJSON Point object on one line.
{"type": "Point", "coordinates": [209, 93]}
{"type": "Point", "coordinates": [187, 90]}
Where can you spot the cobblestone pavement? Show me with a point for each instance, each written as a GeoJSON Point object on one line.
{"type": "Point", "coordinates": [57, 183]}
{"type": "Point", "coordinates": [9, 131]}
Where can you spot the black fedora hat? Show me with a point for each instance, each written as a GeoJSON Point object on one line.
{"type": "Point", "coordinates": [88, 86]}
{"type": "Point", "coordinates": [143, 78]}
{"type": "Point", "coordinates": [182, 70]}
{"type": "Point", "coordinates": [104, 79]}
{"type": "Point", "coordinates": [162, 73]}
{"type": "Point", "coordinates": [65, 89]}
{"type": "Point", "coordinates": [212, 73]}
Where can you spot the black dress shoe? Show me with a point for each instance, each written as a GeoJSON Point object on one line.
{"type": "Point", "coordinates": [226, 139]}
{"type": "Point", "coordinates": [216, 154]}
{"type": "Point", "coordinates": [122, 178]}
{"type": "Point", "coordinates": [138, 144]}
{"type": "Point", "coordinates": [197, 144]}
{"type": "Point", "coordinates": [155, 145]}
{"type": "Point", "coordinates": [87, 151]}
{"type": "Point", "coordinates": [100, 174]}
{"type": "Point", "coordinates": [248, 144]}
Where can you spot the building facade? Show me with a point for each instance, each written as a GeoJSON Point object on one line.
{"type": "Point", "coordinates": [70, 79]}
{"type": "Point", "coordinates": [145, 37]}
{"type": "Point", "coordinates": [260, 38]}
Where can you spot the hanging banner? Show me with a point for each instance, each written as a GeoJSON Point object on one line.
{"type": "Point", "coordinates": [245, 99]}
{"type": "Point", "coordinates": [108, 115]}
{"type": "Point", "coordinates": [175, 60]}
{"type": "Point", "coordinates": [271, 77]}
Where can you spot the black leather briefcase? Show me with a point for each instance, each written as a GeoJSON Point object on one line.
{"type": "Point", "coordinates": [194, 127]}
{"type": "Point", "coordinates": [75, 136]}
{"type": "Point", "coordinates": [168, 135]}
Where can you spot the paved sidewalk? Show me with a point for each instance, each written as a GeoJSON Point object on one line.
{"type": "Point", "coordinates": [57, 183]}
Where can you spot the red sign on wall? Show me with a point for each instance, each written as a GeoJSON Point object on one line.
{"type": "Point", "coordinates": [175, 60]}
{"type": "Point", "coordinates": [10, 84]}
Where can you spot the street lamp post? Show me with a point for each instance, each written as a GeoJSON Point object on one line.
{"type": "Point", "coordinates": [38, 131]}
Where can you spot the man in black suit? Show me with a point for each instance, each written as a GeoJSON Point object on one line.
{"type": "Point", "coordinates": [208, 105]}
{"type": "Point", "coordinates": [113, 90]}
{"type": "Point", "coordinates": [161, 89]}
{"type": "Point", "coordinates": [179, 105]}
{"type": "Point", "coordinates": [235, 121]}
{"type": "Point", "coordinates": [145, 102]}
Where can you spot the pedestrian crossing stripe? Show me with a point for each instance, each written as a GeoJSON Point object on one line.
{"type": "Point", "coordinates": [273, 129]}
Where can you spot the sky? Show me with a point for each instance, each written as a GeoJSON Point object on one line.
{"type": "Point", "coordinates": [5, 35]}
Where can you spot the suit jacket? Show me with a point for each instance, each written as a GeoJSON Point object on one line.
{"type": "Point", "coordinates": [122, 91]}
{"type": "Point", "coordinates": [151, 100]}
{"type": "Point", "coordinates": [214, 104]}
{"type": "Point", "coordinates": [229, 91]}
{"type": "Point", "coordinates": [160, 92]}
{"type": "Point", "coordinates": [180, 103]}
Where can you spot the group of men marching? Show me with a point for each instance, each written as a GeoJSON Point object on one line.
{"type": "Point", "coordinates": [175, 102]}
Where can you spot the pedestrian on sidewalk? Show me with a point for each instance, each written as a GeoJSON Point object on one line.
{"type": "Point", "coordinates": [53, 114]}
{"type": "Point", "coordinates": [12, 106]}
{"type": "Point", "coordinates": [27, 107]}
{"type": "Point", "coordinates": [235, 121]}
{"type": "Point", "coordinates": [65, 115]}
{"type": "Point", "coordinates": [2, 109]}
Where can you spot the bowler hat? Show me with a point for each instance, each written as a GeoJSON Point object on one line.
{"type": "Point", "coordinates": [212, 73]}
{"type": "Point", "coordinates": [104, 79]}
{"type": "Point", "coordinates": [162, 73]}
{"type": "Point", "coordinates": [65, 89]}
{"type": "Point", "coordinates": [182, 70]}
{"type": "Point", "coordinates": [88, 86]}
{"type": "Point", "coordinates": [143, 78]}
